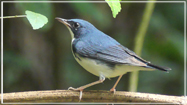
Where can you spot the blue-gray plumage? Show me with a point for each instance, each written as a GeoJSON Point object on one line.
{"type": "Point", "coordinates": [102, 55]}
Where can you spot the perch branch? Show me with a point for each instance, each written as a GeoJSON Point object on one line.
{"type": "Point", "coordinates": [89, 96]}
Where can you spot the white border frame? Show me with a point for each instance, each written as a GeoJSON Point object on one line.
{"type": "Point", "coordinates": [185, 98]}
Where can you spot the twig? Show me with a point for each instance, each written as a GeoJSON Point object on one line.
{"type": "Point", "coordinates": [16, 16]}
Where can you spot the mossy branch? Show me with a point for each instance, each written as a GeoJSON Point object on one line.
{"type": "Point", "coordinates": [101, 96]}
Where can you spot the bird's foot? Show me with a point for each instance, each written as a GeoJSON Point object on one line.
{"type": "Point", "coordinates": [79, 89]}
{"type": "Point", "coordinates": [113, 90]}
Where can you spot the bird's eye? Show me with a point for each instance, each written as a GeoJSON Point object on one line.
{"type": "Point", "coordinates": [76, 25]}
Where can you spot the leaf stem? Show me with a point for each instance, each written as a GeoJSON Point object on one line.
{"type": "Point", "coordinates": [139, 42]}
{"type": "Point", "coordinates": [16, 16]}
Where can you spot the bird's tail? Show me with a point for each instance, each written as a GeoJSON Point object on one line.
{"type": "Point", "coordinates": [149, 65]}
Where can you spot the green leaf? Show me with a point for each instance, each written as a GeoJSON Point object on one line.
{"type": "Point", "coordinates": [45, 9]}
{"type": "Point", "coordinates": [115, 6]}
{"type": "Point", "coordinates": [35, 19]}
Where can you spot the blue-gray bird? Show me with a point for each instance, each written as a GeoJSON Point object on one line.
{"type": "Point", "coordinates": [102, 55]}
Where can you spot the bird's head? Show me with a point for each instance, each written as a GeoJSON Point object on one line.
{"type": "Point", "coordinates": [77, 27]}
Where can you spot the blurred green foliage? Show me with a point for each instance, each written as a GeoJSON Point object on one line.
{"type": "Point", "coordinates": [139, 41]}
{"type": "Point", "coordinates": [40, 60]}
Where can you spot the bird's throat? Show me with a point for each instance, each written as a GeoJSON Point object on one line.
{"type": "Point", "coordinates": [72, 35]}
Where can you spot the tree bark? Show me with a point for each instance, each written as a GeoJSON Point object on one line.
{"type": "Point", "coordinates": [100, 96]}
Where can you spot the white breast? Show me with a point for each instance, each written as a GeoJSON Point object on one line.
{"type": "Point", "coordinates": [94, 67]}
{"type": "Point", "coordinates": [97, 69]}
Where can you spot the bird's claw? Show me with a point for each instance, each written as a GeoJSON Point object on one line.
{"type": "Point", "coordinates": [113, 90]}
{"type": "Point", "coordinates": [80, 96]}
{"type": "Point", "coordinates": [71, 88]}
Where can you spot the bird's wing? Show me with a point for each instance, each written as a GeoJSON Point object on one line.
{"type": "Point", "coordinates": [108, 50]}
{"type": "Point", "coordinates": [110, 53]}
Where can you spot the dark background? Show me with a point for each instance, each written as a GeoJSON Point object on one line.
{"type": "Point", "coordinates": [42, 59]}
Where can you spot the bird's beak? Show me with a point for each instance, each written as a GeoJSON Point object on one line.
{"type": "Point", "coordinates": [64, 21]}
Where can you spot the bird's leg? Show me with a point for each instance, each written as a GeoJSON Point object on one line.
{"type": "Point", "coordinates": [113, 88]}
{"type": "Point", "coordinates": [101, 79]}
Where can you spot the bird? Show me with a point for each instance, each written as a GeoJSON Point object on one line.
{"type": "Point", "coordinates": [102, 55]}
